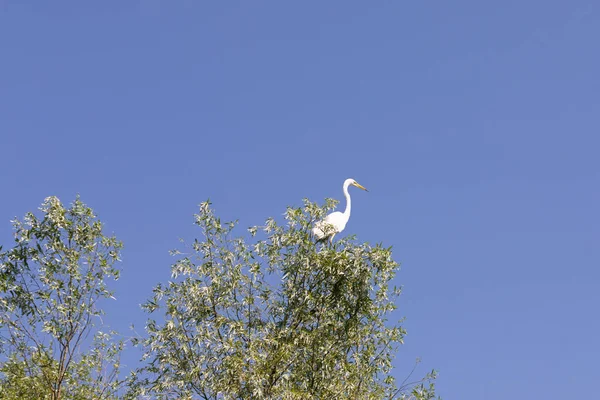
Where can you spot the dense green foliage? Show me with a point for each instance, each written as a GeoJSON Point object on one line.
{"type": "Point", "coordinates": [50, 283]}
{"type": "Point", "coordinates": [270, 314]}
{"type": "Point", "coordinates": [274, 317]}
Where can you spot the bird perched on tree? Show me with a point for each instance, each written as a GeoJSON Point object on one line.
{"type": "Point", "coordinates": [336, 221]}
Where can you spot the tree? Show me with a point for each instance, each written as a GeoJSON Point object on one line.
{"type": "Point", "coordinates": [278, 317]}
{"type": "Point", "coordinates": [50, 284]}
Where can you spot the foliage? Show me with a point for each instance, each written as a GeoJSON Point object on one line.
{"type": "Point", "coordinates": [278, 317]}
{"type": "Point", "coordinates": [50, 285]}
{"type": "Point", "coordinates": [272, 315]}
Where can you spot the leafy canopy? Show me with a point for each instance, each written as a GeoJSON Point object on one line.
{"type": "Point", "coordinates": [50, 285]}
{"type": "Point", "coordinates": [274, 315]}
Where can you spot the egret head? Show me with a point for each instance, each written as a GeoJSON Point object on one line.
{"type": "Point", "coordinates": [352, 182]}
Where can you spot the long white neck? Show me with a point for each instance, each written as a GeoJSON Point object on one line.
{"type": "Point", "coordinates": [348, 201]}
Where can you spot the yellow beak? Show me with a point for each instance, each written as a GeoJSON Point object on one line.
{"type": "Point", "coordinates": [360, 186]}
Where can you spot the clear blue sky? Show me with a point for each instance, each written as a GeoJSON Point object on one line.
{"type": "Point", "coordinates": [475, 126]}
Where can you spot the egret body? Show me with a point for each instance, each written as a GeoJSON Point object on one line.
{"type": "Point", "coordinates": [336, 221]}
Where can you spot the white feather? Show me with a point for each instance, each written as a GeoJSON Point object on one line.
{"type": "Point", "coordinates": [336, 222]}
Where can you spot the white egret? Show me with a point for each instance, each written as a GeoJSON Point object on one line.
{"type": "Point", "coordinates": [336, 221]}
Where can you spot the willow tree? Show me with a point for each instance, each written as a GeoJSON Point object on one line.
{"type": "Point", "coordinates": [51, 282]}
{"type": "Point", "coordinates": [274, 315]}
